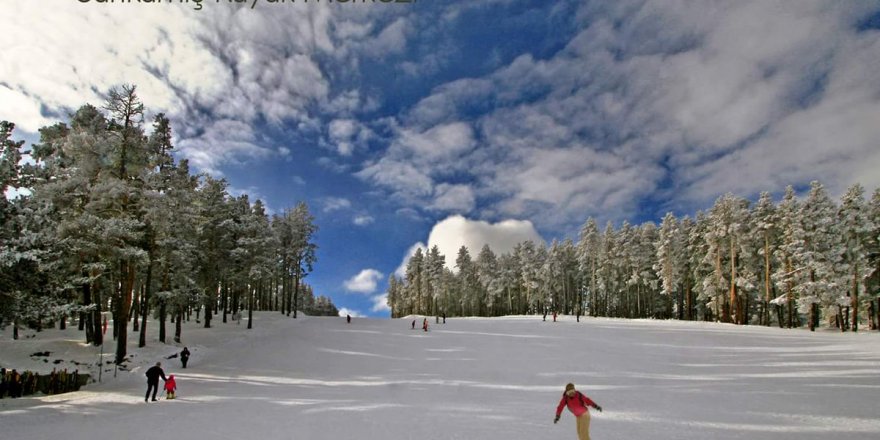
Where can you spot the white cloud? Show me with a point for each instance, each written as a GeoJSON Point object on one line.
{"type": "Point", "coordinates": [363, 220]}
{"type": "Point", "coordinates": [335, 204]}
{"type": "Point", "coordinates": [354, 313]}
{"type": "Point", "coordinates": [23, 111]}
{"type": "Point", "coordinates": [366, 281]}
{"type": "Point", "coordinates": [380, 303]}
{"type": "Point", "coordinates": [348, 135]}
{"type": "Point", "coordinates": [216, 64]}
{"type": "Point", "coordinates": [450, 234]}
{"type": "Point", "coordinates": [224, 141]}
{"type": "Point", "coordinates": [456, 198]}
{"type": "Point", "coordinates": [651, 102]}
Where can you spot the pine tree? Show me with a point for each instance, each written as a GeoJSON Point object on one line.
{"type": "Point", "coordinates": [669, 266]}
{"type": "Point", "coordinates": [873, 244]}
{"type": "Point", "coordinates": [855, 227]}
{"type": "Point", "coordinates": [588, 248]}
{"type": "Point", "coordinates": [819, 254]}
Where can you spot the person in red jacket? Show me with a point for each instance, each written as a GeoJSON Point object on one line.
{"type": "Point", "coordinates": [579, 405]}
{"type": "Point", "coordinates": [170, 387]}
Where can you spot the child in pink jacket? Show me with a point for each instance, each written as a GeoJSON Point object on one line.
{"type": "Point", "coordinates": [578, 404]}
{"type": "Point", "coordinates": [170, 387]}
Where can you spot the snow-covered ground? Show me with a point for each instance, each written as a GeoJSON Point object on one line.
{"type": "Point", "coordinates": [501, 378]}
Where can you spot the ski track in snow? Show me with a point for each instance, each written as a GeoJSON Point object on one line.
{"type": "Point", "coordinates": [501, 378]}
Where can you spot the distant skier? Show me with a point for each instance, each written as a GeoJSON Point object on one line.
{"type": "Point", "coordinates": [184, 356]}
{"type": "Point", "coordinates": [425, 324]}
{"type": "Point", "coordinates": [414, 324]}
{"type": "Point", "coordinates": [348, 319]}
{"type": "Point", "coordinates": [554, 316]}
{"type": "Point", "coordinates": [579, 405]}
{"type": "Point", "coordinates": [153, 375]}
{"type": "Point", "coordinates": [444, 317]}
{"type": "Point", "coordinates": [170, 387]}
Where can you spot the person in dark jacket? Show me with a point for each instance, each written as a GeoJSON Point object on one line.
{"type": "Point", "coordinates": [579, 405]}
{"type": "Point", "coordinates": [153, 375]}
{"type": "Point", "coordinates": [184, 356]}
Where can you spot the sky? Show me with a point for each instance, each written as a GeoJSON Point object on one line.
{"type": "Point", "coordinates": [469, 122]}
{"type": "Point", "coordinates": [375, 379]}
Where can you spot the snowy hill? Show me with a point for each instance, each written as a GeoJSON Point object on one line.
{"type": "Point", "coordinates": [500, 378]}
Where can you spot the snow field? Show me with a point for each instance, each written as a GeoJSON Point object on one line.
{"type": "Point", "coordinates": [500, 378]}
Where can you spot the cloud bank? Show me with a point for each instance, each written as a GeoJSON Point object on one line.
{"type": "Point", "coordinates": [365, 281]}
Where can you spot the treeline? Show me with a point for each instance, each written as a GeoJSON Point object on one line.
{"type": "Point", "coordinates": [786, 263]}
{"type": "Point", "coordinates": [107, 220]}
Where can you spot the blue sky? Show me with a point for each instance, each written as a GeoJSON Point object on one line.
{"type": "Point", "coordinates": [464, 122]}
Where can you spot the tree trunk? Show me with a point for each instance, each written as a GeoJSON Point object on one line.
{"type": "Point", "coordinates": [295, 290]}
{"type": "Point", "coordinates": [814, 313]}
{"type": "Point", "coordinates": [212, 296]}
{"type": "Point", "coordinates": [178, 325]}
{"type": "Point", "coordinates": [127, 273]}
{"type": "Point", "coordinates": [163, 314]}
{"type": "Point", "coordinates": [224, 299]}
{"type": "Point", "coordinates": [767, 289]}
{"type": "Point", "coordinates": [855, 299]}
{"type": "Point", "coordinates": [253, 292]}
{"type": "Point", "coordinates": [877, 313]}
{"type": "Point", "coordinates": [736, 316]}
{"type": "Point", "coordinates": [145, 307]}
{"type": "Point", "coordinates": [95, 319]}
{"type": "Point", "coordinates": [789, 294]}
{"type": "Point", "coordinates": [136, 309]}
{"type": "Point", "coordinates": [86, 318]}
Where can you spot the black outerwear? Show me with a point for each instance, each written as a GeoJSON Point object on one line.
{"type": "Point", "coordinates": [153, 375]}
{"type": "Point", "coordinates": [184, 356]}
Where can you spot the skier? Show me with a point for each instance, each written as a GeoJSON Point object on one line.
{"type": "Point", "coordinates": [414, 324]}
{"type": "Point", "coordinates": [153, 375]}
{"type": "Point", "coordinates": [348, 319]}
{"type": "Point", "coordinates": [184, 356]}
{"type": "Point", "coordinates": [170, 387]}
{"type": "Point", "coordinates": [578, 405]}
{"type": "Point", "coordinates": [425, 324]}
{"type": "Point", "coordinates": [554, 316]}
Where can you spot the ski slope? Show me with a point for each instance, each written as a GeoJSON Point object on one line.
{"type": "Point", "coordinates": [501, 378]}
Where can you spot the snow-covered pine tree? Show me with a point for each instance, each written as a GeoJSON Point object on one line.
{"type": "Point", "coordinates": [669, 260]}
{"type": "Point", "coordinates": [508, 277]}
{"type": "Point", "coordinates": [468, 287]}
{"type": "Point", "coordinates": [789, 274]}
{"type": "Point", "coordinates": [303, 252]}
{"type": "Point", "coordinates": [855, 227]}
{"type": "Point", "coordinates": [645, 278]}
{"type": "Point", "coordinates": [413, 283]}
{"type": "Point", "coordinates": [873, 244]}
{"type": "Point", "coordinates": [488, 279]}
{"type": "Point", "coordinates": [607, 278]}
{"type": "Point", "coordinates": [728, 222]}
{"type": "Point", "coordinates": [432, 281]}
{"type": "Point", "coordinates": [394, 296]}
{"type": "Point", "coordinates": [215, 241]}
{"type": "Point", "coordinates": [588, 248]}
{"type": "Point", "coordinates": [706, 269]}
{"type": "Point", "coordinates": [819, 254]}
{"type": "Point", "coordinates": [765, 233]}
